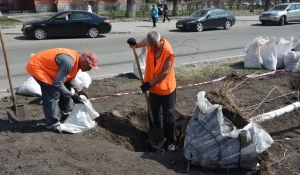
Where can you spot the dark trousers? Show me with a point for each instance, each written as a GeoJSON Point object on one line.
{"type": "Point", "coordinates": [166, 16]}
{"type": "Point", "coordinates": [167, 103]}
{"type": "Point", "coordinates": [154, 20]}
{"type": "Point", "coordinates": [53, 101]}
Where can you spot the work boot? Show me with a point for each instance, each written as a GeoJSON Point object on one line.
{"type": "Point", "coordinates": [64, 116]}
{"type": "Point", "coordinates": [169, 146]}
{"type": "Point", "coordinates": [54, 127]}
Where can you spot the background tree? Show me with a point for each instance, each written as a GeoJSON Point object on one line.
{"type": "Point", "coordinates": [130, 9]}
{"type": "Point", "coordinates": [175, 8]}
{"type": "Point", "coordinates": [267, 5]}
{"type": "Point", "coordinates": [230, 4]}
{"type": "Point", "coordinates": [112, 6]}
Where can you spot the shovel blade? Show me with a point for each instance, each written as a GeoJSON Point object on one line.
{"type": "Point", "coordinates": [156, 138]}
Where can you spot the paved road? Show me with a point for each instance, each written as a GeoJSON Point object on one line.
{"type": "Point", "coordinates": [116, 57]}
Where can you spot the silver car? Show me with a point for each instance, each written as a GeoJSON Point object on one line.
{"type": "Point", "coordinates": [281, 14]}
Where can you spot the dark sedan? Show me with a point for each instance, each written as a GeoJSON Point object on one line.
{"type": "Point", "coordinates": [68, 23]}
{"type": "Point", "coordinates": [207, 18]}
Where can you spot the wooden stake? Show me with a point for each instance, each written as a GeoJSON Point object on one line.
{"type": "Point", "coordinates": [8, 72]}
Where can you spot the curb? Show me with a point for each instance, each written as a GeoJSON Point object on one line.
{"type": "Point", "coordinates": [116, 32]}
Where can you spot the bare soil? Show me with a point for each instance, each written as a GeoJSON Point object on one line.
{"type": "Point", "coordinates": [118, 144]}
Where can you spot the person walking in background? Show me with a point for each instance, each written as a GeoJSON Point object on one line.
{"type": "Point", "coordinates": [160, 81]}
{"type": "Point", "coordinates": [154, 15]}
{"type": "Point", "coordinates": [55, 71]}
{"type": "Point", "coordinates": [165, 11]}
{"type": "Point", "coordinates": [160, 9]}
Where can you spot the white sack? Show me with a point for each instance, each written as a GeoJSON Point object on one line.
{"type": "Point", "coordinates": [269, 54]}
{"type": "Point", "coordinates": [253, 58]}
{"type": "Point", "coordinates": [30, 88]}
{"type": "Point", "coordinates": [297, 48]}
{"type": "Point", "coordinates": [283, 47]}
{"type": "Point", "coordinates": [82, 118]}
{"type": "Point", "coordinates": [291, 61]}
{"type": "Point", "coordinates": [85, 78]}
{"type": "Point", "coordinates": [210, 135]}
{"type": "Point", "coordinates": [142, 60]}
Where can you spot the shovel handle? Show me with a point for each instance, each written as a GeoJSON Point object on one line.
{"type": "Point", "coordinates": [142, 81]}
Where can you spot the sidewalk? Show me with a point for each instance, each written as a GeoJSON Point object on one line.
{"type": "Point", "coordinates": [117, 26]}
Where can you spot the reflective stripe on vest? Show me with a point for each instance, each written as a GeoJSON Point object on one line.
{"type": "Point", "coordinates": [43, 66]}
{"type": "Point", "coordinates": [168, 84]}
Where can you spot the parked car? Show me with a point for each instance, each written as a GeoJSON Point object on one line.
{"type": "Point", "coordinates": [207, 18]}
{"type": "Point", "coordinates": [68, 23]}
{"type": "Point", "coordinates": [281, 14]}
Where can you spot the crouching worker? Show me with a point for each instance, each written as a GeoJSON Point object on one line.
{"type": "Point", "coordinates": [55, 71]}
{"type": "Point", "coordinates": [160, 81]}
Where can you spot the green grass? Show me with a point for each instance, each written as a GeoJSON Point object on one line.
{"type": "Point", "coordinates": [4, 20]}
{"type": "Point", "coordinates": [212, 69]}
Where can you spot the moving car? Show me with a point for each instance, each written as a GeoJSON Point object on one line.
{"type": "Point", "coordinates": [281, 14]}
{"type": "Point", "coordinates": [207, 18]}
{"type": "Point", "coordinates": [68, 23]}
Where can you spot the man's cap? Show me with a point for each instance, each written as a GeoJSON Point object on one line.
{"type": "Point", "coordinates": [91, 58]}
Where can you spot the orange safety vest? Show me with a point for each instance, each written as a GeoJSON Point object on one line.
{"type": "Point", "coordinates": [168, 84]}
{"type": "Point", "coordinates": [43, 66]}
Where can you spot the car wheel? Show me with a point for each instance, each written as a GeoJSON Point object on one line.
{"type": "Point", "coordinates": [200, 27]}
{"type": "Point", "coordinates": [281, 21]}
{"type": "Point", "coordinates": [227, 25]}
{"type": "Point", "coordinates": [40, 34]}
{"type": "Point", "coordinates": [263, 23]}
{"type": "Point", "coordinates": [93, 32]}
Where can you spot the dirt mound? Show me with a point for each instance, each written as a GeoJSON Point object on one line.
{"type": "Point", "coordinates": [118, 144]}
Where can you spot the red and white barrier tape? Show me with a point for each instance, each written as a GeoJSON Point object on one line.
{"type": "Point", "coordinates": [269, 73]}
{"type": "Point", "coordinates": [191, 85]}
{"type": "Point", "coordinates": [140, 92]}
{"type": "Point", "coordinates": [206, 82]}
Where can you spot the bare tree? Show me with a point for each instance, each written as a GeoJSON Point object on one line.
{"type": "Point", "coordinates": [230, 4]}
{"type": "Point", "coordinates": [130, 9]}
{"type": "Point", "coordinates": [112, 6]}
{"type": "Point", "coordinates": [267, 5]}
{"type": "Point", "coordinates": [238, 4]}
{"type": "Point", "coordinates": [175, 8]}
{"type": "Point", "coordinates": [144, 7]}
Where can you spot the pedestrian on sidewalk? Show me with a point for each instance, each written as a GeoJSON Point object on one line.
{"type": "Point", "coordinates": [165, 11]}
{"type": "Point", "coordinates": [160, 81]}
{"type": "Point", "coordinates": [154, 14]}
{"type": "Point", "coordinates": [55, 71]}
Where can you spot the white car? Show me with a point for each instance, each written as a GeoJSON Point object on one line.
{"type": "Point", "coordinates": [281, 14]}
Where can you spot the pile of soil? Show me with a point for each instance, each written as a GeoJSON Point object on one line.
{"type": "Point", "coordinates": [118, 144]}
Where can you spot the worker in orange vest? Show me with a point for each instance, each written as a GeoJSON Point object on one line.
{"type": "Point", "coordinates": [160, 81]}
{"type": "Point", "coordinates": [55, 71]}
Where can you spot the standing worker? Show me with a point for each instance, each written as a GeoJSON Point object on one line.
{"type": "Point", "coordinates": [55, 71]}
{"type": "Point", "coordinates": [165, 11]}
{"type": "Point", "coordinates": [154, 14]}
{"type": "Point", "coordinates": [160, 81]}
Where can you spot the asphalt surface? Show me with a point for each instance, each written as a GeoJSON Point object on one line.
{"type": "Point", "coordinates": [117, 27]}
{"type": "Point", "coordinates": [138, 28]}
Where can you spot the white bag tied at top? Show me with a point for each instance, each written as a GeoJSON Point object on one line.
{"type": "Point", "coordinates": [297, 48]}
{"type": "Point", "coordinates": [30, 88]}
{"type": "Point", "coordinates": [212, 141]}
{"type": "Point", "coordinates": [82, 118]}
{"type": "Point", "coordinates": [269, 54]}
{"type": "Point", "coordinates": [291, 61]}
{"type": "Point", "coordinates": [283, 47]}
{"type": "Point", "coordinates": [253, 57]}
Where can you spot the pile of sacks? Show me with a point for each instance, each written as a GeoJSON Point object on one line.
{"type": "Point", "coordinates": [263, 52]}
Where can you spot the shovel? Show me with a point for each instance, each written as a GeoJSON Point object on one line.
{"type": "Point", "coordinates": [156, 135]}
